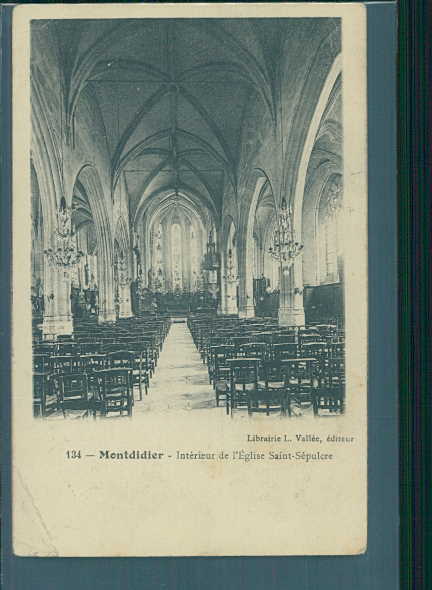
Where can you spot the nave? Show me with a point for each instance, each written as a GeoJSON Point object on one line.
{"type": "Point", "coordinates": [181, 380]}
{"type": "Point", "coordinates": [187, 170]}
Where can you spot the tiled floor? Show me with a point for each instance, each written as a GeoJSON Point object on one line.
{"type": "Point", "coordinates": [180, 382]}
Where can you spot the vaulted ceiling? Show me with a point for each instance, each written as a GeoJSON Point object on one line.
{"type": "Point", "coordinates": [172, 94]}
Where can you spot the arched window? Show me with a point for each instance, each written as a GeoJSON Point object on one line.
{"type": "Point", "coordinates": [328, 230]}
{"type": "Point", "coordinates": [176, 256]}
{"type": "Point", "coordinates": [176, 248]}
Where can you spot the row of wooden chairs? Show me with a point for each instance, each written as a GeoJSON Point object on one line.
{"type": "Point", "coordinates": [284, 365]}
{"type": "Point", "coordinates": [323, 353]}
{"type": "Point", "coordinates": [106, 390]}
{"type": "Point", "coordinates": [275, 385]}
{"type": "Point", "coordinates": [209, 332]}
{"type": "Point", "coordinates": [132, 349]}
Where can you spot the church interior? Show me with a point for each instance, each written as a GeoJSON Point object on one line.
{"type": "Point", "coordinates": [187, 198]}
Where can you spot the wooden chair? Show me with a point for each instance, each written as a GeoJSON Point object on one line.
{"type": "Point", "coordinates": [330, 398]}
{"type": "Point", "coordinates": [67, 364]}
{"type": "Point", "coordinates": [290, 338]}
{"type": "Point", "coordinates": [42, 363]}
{"type": "Point", "coordinates": [149, 358]}
{"type": "Point", "coordinates": [68, 349]}
{"type": "Point", "coordinates": [45, 400]}
{"type": "Point", "coordinates": [219, 370]}
{"type": "Point", "coordinates": [335, 372]}
{"type": "Point", "coordinates": [90, 347]}
{"type": "Point", "coordinates": [124, 359]}
{"type": "Point", "coordinates": [280, 352]}
{"type": "Point", "coordinates": [301, 381]}
{"type": "Point", "coordinates": [243, 382]}
{"type": "Point", "coordinates": [120, 359]}
{"type": "Point", "coordinates": [114, 391]}
{"type": "Point", "coordinates": [47, 348]}
{"type": "Point", "coordinates": [254, 350]}
{"type": "Point", "coordinates": [65, 338]}
{"type": "Point", "coordinates": [92, 363]}
{"type": "Point", "coordinates": [238, 341]}
{"type": "Point", "coordinates": [147, 361]}
{"type": "Point", "coordinates": [336, 349]}
{"type": "Point", "coordinates": [72, 392]}
{"type": "Point", "coordinates": [271, 393]}
{"type": "Point", "coordinates": [309, 336]}
{"type": "Point", "coordinates": [261, 336]}
{"type": "Point", "coordinates": [140, 368]}
{"type": "Point", "coordinates": [114, 347]}
{"type": "Point", "coordinates": [330, 394]}
{"type": "Point", "coordinates": [317, 350]}
{"type": "Point", "coordinates": [153, 353]}
{"type": "Point", "coordinates": [214, 340]}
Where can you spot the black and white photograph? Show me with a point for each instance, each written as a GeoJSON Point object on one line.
{"type": "Point", "coordinates": [190, 279]}
{"type": "Point", "coordinates": [187, 205]}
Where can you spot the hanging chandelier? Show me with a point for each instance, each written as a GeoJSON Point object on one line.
{"type": "Point", "coordinates": [231, 276]}
{"type": "Point", "coordinates": [65, 253]}
{"type": "Point", "coordinates": [285, 248]}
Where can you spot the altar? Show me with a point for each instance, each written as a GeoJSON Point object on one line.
{"type": "Point", "coordinates": [182, 303]}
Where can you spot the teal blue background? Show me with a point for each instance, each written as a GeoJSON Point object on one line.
{"type": "Point", "coordinates": [378, 568]}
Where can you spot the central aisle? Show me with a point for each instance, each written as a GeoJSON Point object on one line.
{"type": "Point", "coordinates": [180, 382]}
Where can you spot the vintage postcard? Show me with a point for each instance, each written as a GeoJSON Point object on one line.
{"type": "Point", "coordinates": [189, 280]}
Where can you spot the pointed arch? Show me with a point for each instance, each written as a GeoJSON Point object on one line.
{"type": "Point", "coordinates": [89, 178]}
{"type": "Point", "coordinates": [122, 234]}
{"type": "Point", "coordinates": [246, 246]}
{"type": "Point", "coordinates": [332, 79]}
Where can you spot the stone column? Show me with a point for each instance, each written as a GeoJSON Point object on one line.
{"type": "Point", "coordinates": [222, 307]}
{"type": "Point", "coordinates": [57, 318]}
{"type": "Point", "coordinates": [124, 286]}
{"type": "Point", "coordinates": [291, 312]}
{"type": "Point", "coordinates": [107, 312]}
{"type": "Point", "coordinates": [125, 308]}
{"type": "Point", "coordinates": [246, 306]}
{"type": "Point", "coordinates": [231, 297]}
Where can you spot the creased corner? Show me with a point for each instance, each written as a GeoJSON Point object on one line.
{"type": "Point", "coordinates": [31, 536]}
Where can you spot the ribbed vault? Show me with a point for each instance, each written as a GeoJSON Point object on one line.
{"type": "Point", "coordinates": [172, 95]}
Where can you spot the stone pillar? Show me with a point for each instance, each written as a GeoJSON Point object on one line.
{"type": "Point", "coordinates": [57, 318]}
{"type": "Point", "coordinates": [291, 312]}
{"type": "Point", "coordinates": [125, 308]}
{"type": "Point", "coordinates": [107, 312]}
{"type": "Point", "coordinates": [246, 305]}
{"type": "Point", "coordinates": [231, 297]}
{"type": "Point", "coordinates": [222, 307]}
{"type": "Point", "coordinates": [247, 312]}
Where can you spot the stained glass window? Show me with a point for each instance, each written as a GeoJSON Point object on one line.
{"type": "Point", "coordinates": [176, 256]}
